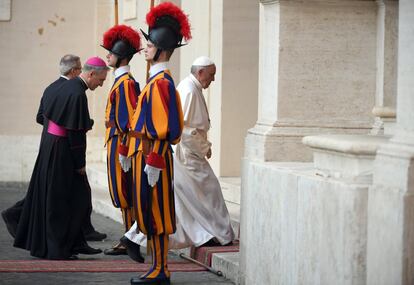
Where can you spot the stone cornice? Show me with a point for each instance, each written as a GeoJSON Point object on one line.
{"type": "Point", "coordinates": [269, 1]}
{"type": "Point", "coordinates": [350, 144]}
{"type": "Point", "coordinates": [322, 2]}
{"type": "Point", "coordinates": [384, 112]}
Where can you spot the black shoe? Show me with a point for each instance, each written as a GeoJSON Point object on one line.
{"type": "Point", "coordinates": [133, 249]}
{"type": "Point", "coordinates": [150, 281]}
{"type": "Point", "coordinates": [211, 242]}
{"type": "Point", "coordinates": [86, 249]}
{"type": "Point", "coordinates": [116, 250]}
{"type": "Point", "coordinates": [95, 236]}
{"type": "Point", "coordinates": [73, 257]}
{"type": "Point", "coordinates": [11, 227]}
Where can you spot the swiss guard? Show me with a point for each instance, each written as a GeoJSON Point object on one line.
{"type": "Point", "coordinates": [122, 42]}
{"type": "Point", "coordinates": [157, 124]}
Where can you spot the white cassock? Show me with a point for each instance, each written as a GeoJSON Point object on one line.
{"type": "Point", "coordinates": [201, 212]}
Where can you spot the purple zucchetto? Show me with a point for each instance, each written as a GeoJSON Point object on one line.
{"type": "Point", "coordinates": [96, 61]}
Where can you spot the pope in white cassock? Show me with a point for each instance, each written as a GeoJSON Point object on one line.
{"type": "Point", "coordinates": [201, 213]}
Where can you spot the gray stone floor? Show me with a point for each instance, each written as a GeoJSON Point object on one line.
{"type": "Point", "coordinates": [12, 192]}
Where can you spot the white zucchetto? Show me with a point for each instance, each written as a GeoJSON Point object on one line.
{"type": "Point", "coordinates": [203, 61]}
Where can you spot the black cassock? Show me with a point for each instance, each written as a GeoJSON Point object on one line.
{"type": "Point", "coordinates": [56, 201]}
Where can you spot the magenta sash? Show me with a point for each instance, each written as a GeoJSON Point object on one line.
{"type": "Point", "coordinates": [56, 130]}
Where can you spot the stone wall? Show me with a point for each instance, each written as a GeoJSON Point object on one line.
{"type": "Point", "coordinates": [317, 74]}
{"type": "Point", "coordinates": [300, 228]}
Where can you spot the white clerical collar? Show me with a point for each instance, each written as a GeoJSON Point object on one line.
{"type": "Point", "coordinates": [84, 81]}
{"type": "Point", "coordinates": [121, 70]}
{"type": "Point", "coordinates": [63, 76]}
{"type": "Point", "coordinates": [196, 82]}
{"type": "Point", "coordinates": [157, 68]}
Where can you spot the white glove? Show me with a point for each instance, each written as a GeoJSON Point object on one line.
{"type": "Point", "coordinates": [125, 162]}
{"type": "Point", "coordinates": [153, 174]}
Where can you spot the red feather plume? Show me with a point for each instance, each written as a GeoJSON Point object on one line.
{"type": "Point", "coordinates": [121, 32]}
{"type": "Point", "coordinates": [168, 8]}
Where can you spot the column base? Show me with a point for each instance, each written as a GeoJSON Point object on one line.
{"type": "Point", "coordinates": [391, 214]}
{"type": "Point", "coordinates": [283, 141]}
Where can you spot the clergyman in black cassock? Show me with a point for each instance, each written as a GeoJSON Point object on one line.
{"type": "Point", "coordinates": [70, 67]}
{"type": "Point", "coordinates": [55, 204]}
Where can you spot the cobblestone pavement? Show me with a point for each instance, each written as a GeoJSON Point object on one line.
{"type": "Point", "coordinates": [12, 192]}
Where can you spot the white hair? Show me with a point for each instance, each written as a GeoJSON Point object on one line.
{"type": "Point", "coordinates": [68, 62]}
{"type": "Point", "coordinates": [201, 63]}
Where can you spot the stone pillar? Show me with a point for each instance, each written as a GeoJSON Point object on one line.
{"type": "Point", "coordinates": [227, 31]}
{"type": "Point", "coordinates": [308, 223]}
{"type": "Point", "coordinates": [387, 62]}
{"type": "Point", "coordinates": [316, 74]}
{"type": "Point", "coordinates": [390, 258]}
{"type": "Point", "coordinates": [104, 19]}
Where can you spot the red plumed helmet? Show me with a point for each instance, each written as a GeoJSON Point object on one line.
{"type": "Point", "coordinates": [122, 41]}
{"type": "Point", "coordinates": [168, 25]}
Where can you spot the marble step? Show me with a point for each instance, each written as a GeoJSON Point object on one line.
{"type": "Point", "coordinates": [227, 263]}
{"type": "Point", "coordinates": [102, 204]}
{"type": "Point", "coordinates": [97, 174]}
{"type": "Point", "coordinates": [230, 186]}
{"type": "Point", "coordinates": [100, 196]}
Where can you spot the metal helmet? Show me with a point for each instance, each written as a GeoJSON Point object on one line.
{"type": "Point", "coordinates": [167, 26]}
{"type": "Point", "coordinates": [121, 40]}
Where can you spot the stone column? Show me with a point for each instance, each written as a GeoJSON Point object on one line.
{"type": "Point", "coordinates": [387, 59]}
{"type": "Point", "coordinates": [227, 31]}
{"type": "Point", "coordinates": [316, 74]}
{"type": "Point", "coordinates": [390, 258]}
{"type": "Point", "coordinates": [104, 19]}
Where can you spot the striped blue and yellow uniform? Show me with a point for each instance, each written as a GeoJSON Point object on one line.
{"type": "Point", "coordinates": [120, 108]}
{"type": "Point", "coordinates": [156, 125]}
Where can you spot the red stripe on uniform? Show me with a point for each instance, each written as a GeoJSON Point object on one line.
{"type": "Point", "coordinates": [163, 85]}
{"type": "Point", "coordinates": [133, 96]}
